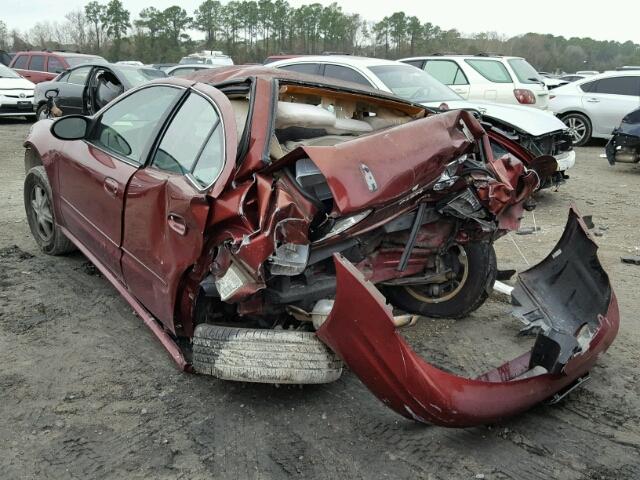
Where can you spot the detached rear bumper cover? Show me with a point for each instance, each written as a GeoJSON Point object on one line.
{"type": "Point", "coordinates": [567, 296]}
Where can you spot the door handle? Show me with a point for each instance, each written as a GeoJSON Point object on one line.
{"type": "Point", "coordinates": [593, 100]}
{"type": "Point", "coordinates": [111, 186]}
{"type": "Point", "coordinates": [177, 224]}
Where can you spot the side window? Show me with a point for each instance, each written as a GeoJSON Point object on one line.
{"type": "Point", "coordinates": [37, 63]}
{"type": "Point", "coordinates": [55, 65]}
{"type": "Point", "coordinates": [64, 78]}
{"type": "Point", "coordinates": [415, 63]}
{"type": "Point", "coordinates": [193, 142]}
{"type": "Point", "coordinates": [446, 72]}
{"type": "Point", "coordinates": [308, 68]}
{"type": "Point", "coordinates": [344, 73]}
{"type": "Point", "coordinates": [79, 76]}
{"type": "Point", "coordinates": [589, 87]}
{"type": "Point", "coordinates": [183, 71]}
{"type": "Point", "coordinates": [492, 70]}
{"type": "Point", "coordinates": [619, 86]}
{"type": "Point", "coordinates": [128, 127]}
{"type": "Point", "coordinates": [21, 62]}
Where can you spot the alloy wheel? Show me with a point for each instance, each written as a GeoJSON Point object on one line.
{"type": "Point", "coordinates": [42, 212]}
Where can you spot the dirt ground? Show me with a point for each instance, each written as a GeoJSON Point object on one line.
{"type": "Point", "coordinates": [86, 391]}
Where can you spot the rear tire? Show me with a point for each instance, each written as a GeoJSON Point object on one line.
{"type": "Point", "coordinates": [579, 128]}
{"type": "Point", "coordinates": [41, 215]}
{"type": "Point", "coordinates": [263, 356]}
{"type": "Point", "coordinates": [469, 295]}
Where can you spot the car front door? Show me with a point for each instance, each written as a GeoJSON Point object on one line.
{"type": "Point", "coordinates": [93, 174]}
{"type": "Point", "coordinates": [609, 100]}
{"type": "Point", "coordinates": [168, 202]}
{"type": "Point", "coordinates": [75, 89]}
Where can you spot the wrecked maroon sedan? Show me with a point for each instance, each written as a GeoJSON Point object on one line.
{"type": "Point", "coordinates": [253, 217]}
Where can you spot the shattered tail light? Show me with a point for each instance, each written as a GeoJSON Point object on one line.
{"type": "Point", "coordinates": [524, 96]}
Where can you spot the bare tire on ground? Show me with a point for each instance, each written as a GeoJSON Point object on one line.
{"type": "Point", "coordinates": [263, 356]}
{"type": "Point", "coordinates": [579, 128]}
{"type": "Point", "coordinates": [41, 216]}
{"type": "Point", "coordinates": [474, 268]}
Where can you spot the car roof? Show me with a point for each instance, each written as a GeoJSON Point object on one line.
{"type": "Point", "coordinates": [612, 73]}
{"type": "Point", "coordinates": [479, 56]}
{"type": "Point", "coordinates": [363, 62]}
{"type": "Point", "coordinates": [241, 73]}
{"type": "Point", "coordinates": [58, 53]}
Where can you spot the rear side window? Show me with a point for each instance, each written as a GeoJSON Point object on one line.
{"type": "Point", "coordinates": [524, 71]}
{"type": "Point", "coordinates": [55, 65]}
{"type": "Point", "coordinates": [492, 70]}
{"type": "Point", "coordinates": [589, 87]}
{"type": "Point", "coordinates": [21, 62]}
{"type": "Point", "coordinates": [629, 86]}
{"type": "Point", "coordinates": [308, 68]}
{"type": "Point", "coordinates": [37, 63]}
{"type": "Point", "coordinates": [446, 71]}
{"type": "Point", "coordinates": [346, 74]}
{"type": "Point", "coordinates": [193, 142]}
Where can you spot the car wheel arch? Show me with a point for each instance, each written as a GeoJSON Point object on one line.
{"type": "Point", "coordinates": [32, 157]}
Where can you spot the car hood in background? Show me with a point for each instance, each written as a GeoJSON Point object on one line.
{"type": "Point", "coordinates": [526, 119]}
{"type": "Point", "coordinates": [15, 84]}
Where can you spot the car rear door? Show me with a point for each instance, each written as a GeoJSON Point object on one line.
{"type": "Point", "coordinates": [449, 73]}
{"type": "Point", "coordinates": [608, 100]}
{"type": "Point", "coordinates": [38, 69]}
{"type": "Point", "coordinates": [93, 174]}
{"type": "Point", "coordinates": [168, 201]}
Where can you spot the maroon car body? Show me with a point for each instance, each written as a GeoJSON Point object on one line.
{"type": "Point", "coordinates": [400, 193]}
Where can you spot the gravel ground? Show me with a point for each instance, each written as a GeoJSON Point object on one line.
{"type": "Point", "coordinates": [86, 392]}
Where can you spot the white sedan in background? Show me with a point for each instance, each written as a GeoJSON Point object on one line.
{"type": "Point", "coordinates": [16, 94]}
{"type": "Point", "coordinates": [538, 131]}
{"type": "Point", "coordinates": [186, 69]}
{"type": "Point", "coordinates": [594, 106]}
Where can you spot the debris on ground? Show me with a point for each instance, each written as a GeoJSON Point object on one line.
{"type": "Point", "coordinates": [632, 259]}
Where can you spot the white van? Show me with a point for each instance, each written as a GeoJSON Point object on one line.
{"type": "Point", "coordinates": [488, 78]}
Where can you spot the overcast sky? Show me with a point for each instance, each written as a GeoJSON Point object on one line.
{"type": "Point", "coordinates": [608, 21]}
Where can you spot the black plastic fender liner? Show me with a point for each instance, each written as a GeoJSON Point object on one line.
{"type": "Point", "coordinates": [564, 296]}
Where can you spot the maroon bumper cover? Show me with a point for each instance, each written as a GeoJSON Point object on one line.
{"type": "Point", "coordinates": [567, 298]}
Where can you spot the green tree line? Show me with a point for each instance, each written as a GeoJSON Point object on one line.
{"type": "Point", "coordinates": [251, 30]}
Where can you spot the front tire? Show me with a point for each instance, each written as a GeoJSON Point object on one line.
{"type": "Point", "coordinates": [579, 128]}
{"type": "Point", "coordinates": [475, 272]}
{"type": "Point", "coordinates": [38, 205]}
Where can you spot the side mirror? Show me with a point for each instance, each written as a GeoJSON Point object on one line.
{"type": "Point", "coordinates": [73, 127]}
{"type": "Point", "coordinates": [51, 93]}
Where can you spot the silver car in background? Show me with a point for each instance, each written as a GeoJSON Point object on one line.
{"type": "Point", "coordinates": [594, 106]}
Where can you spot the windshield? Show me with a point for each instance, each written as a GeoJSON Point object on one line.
{"type": "Point", "coordinates": [414, 84]}
{"type": "Point", "coordinates": [6, 72]}
{"type": "Point", "coordinates": [74, 61]}
{"type": "Point", "coordinates": [524, 71]}
{"type": "Point", "coordinates": [138, 76]}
